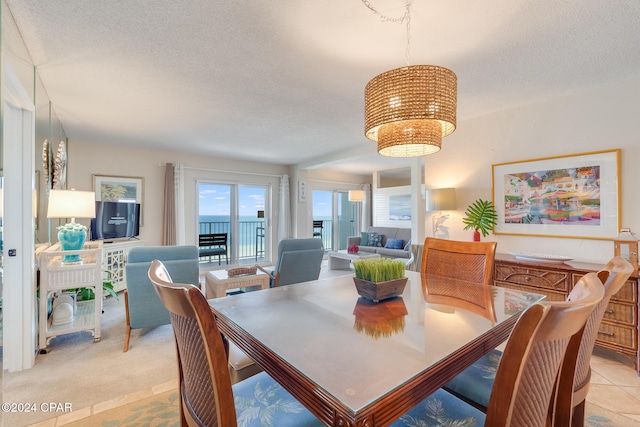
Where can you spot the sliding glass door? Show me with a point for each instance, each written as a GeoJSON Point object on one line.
{"type": "Point", "coordinates": [339, 217]}
{"type": "Point", "coordinates": [240, 211]}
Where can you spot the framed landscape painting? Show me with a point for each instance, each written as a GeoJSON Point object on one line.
{"type": "Point", "coordinates": [110, 188]}
{"type": "Point", "coordinates": [576, 196]}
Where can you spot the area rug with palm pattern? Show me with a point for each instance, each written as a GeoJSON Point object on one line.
{"type": "Point", "coordinates": [162, 410]}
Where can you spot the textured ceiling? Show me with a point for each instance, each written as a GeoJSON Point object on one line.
{"type": "Point", "coordinates": [283, 81]}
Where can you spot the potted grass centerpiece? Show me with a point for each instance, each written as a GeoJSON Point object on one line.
{"type": "Point", "coordinates": [379, 278]}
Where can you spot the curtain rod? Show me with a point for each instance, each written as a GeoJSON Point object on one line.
{"type": "Point", "coordinates": [228, 171]}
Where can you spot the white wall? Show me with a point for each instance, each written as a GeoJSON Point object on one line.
{"type": "Point", "coordinates": [602, 118]}
{"type": "Point", "coordinates": [87, 158]}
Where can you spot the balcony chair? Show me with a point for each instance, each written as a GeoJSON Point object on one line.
{"type": "Point", "coordinates": [143, 309]}
{"type": "Point", "coordinates": [259, 242]}
{"type": "Point", "coordinates": [475, 383]}
{"type": "Point", "coordinates": [318, 225]}
{"type": "Point", "coordinates": [207, 397]}
{"type": "Point", "coordinates": [299, 260]}
{"type": "Point", "coordinates": [213, 245]}
{"type": "Point", "coordinates": [471, 261]}
{"type": "Point", "coordinates": [524, 383]}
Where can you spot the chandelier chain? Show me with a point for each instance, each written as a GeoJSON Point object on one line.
{"type": "Point", "coordinates": [405, 18]}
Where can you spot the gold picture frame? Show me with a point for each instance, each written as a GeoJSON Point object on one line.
{"type": "Point", "coordinates": [573, 196]}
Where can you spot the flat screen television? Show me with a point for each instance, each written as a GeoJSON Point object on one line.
{"type": "Point", "coordinates": [115, 220]}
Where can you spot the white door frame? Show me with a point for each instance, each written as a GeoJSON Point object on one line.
{"type": "Point", "coordinates": [19, 287]}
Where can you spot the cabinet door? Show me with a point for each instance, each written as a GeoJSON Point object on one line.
{"type": "Point", "coordinates": [534, 278]}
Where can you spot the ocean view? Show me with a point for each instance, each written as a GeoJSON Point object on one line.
{"type": "Point", "coordinates": [249, 240]}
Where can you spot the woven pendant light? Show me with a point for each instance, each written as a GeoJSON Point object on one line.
{"type": "Point", "coordinates": [408, 110]}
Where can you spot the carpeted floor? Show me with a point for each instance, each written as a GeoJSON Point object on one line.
{"type": "Point", "coordinates": [81, 373]}
{"type": "Point", "coordinates": [159, 410]}
{"type": "Point", "coordinates": [162, 410]}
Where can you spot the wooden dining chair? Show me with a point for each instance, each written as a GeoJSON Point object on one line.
{"type": "Point", "coordinates": [470, 261]}
{"type": "Point", "coordinates": [475, 383]}
{"type": "Point", "coordinates": [575, 377]}
{"type": "Point", "coordinates": [526, 377]}
{"type": "Point", "coordinates": [207, 397]}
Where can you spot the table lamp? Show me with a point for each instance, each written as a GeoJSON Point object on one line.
{"type": "Point", "coordinates": [441, 199]}
{"type": "Point", "coordinates": [71, 204]}
{"type": "Point", "coordinates": [626, 246]}
{"type": "Point", "coordinates": [356, 195]}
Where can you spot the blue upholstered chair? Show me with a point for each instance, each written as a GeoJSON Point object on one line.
{"type": "Point", "coordinates": [143, 308]}
{"type": "Point", "coordinates": [299, 260]}
{"type": "Point", "coordinates": [475, 383]}
{"type": "Point", "coordinates": [207, 397]}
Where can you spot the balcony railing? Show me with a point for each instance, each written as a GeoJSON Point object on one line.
{"type": "Point", "coordinates": [250, 242]}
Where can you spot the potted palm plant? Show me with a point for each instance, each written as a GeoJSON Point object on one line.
{"type": "Point", "coordinates": [481, 216]}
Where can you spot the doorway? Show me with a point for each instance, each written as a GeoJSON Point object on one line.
{"type": "Point", "coordinates": [340, 217]}
{"type": "Point", "coordinates": [240, 211]}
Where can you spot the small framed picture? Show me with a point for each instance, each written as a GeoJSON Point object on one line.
{"type": "Point", "coordinates": [113, 188]}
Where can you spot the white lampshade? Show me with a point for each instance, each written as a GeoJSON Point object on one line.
{"type": "Point", "coordinates": [356, 195]}
{"type": "Point", "coordinates": [442, 199]}
{"type": "Point", "coordinates": [71, 204]}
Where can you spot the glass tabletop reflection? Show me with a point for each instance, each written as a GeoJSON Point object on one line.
{"type": "Point", "coordinates": [358, 350]}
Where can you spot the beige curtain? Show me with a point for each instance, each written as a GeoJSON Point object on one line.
{"type": "Point", "coordinates": [365, 213]}
{"type": "Point", "coordinates": [284, 217]}
{"type": "Point", "coordinates": [169, 211]}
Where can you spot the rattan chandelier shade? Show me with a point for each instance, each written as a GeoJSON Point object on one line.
{"type": "Point", "coordinates": [410, 138]}
{"type": "Point", "coordinates": [409, 109]}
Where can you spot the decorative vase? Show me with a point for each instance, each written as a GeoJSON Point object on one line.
{"type": "Point", "coordinates": [476, 236]}
{"type": "Point", "coordinates": [72, 240]}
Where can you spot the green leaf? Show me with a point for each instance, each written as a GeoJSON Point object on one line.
{"type": "Point", "coordinates": [480, 216]}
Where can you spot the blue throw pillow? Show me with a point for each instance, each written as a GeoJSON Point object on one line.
{"type": "Point", "coordinates": [393, 244]}
{"type": "Point", "coordinates": [375, 239]}
{"type": "Point", "coordinates": [364, 238]}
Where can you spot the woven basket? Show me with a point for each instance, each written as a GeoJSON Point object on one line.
{"type": "Point", "coordinates": [381, 290]}
{"type": "Point", "coordinates": [241, 271]}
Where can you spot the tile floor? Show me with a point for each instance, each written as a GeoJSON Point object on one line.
{"type": "Point", "coordinates": [615, 385]}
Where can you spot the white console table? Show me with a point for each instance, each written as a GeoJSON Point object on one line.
{"type": "Point", "coordinates": [56, 276]}
{"type": "Point", "coordinates": [114, 260]}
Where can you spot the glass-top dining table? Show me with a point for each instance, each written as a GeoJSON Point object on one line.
{"type": "Point", "coordinates": [356, 362]}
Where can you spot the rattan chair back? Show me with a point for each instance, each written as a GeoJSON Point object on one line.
{"type": "Point", "coordinates": [575, 377]}
{"type": "Point", "coordinates": [526, 378]}
{"type": "Point", "coordinates": [470, 261]}
{"type": "Point", "coordinates": [206, 398]}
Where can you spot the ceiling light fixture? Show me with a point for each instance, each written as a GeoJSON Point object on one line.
{"type": "Point", "coordinates": [409, 109]}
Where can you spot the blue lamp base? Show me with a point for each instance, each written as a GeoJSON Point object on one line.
{"type": "Point", "coordinates": [72, 240]}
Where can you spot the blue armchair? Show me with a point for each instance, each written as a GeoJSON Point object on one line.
{"type": "Point", "coordinates": [299, 260]}
{"type": "Point", "coordinates": [143, 308]}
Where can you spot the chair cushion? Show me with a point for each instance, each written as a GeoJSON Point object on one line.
{"type": "Point", "coordinates": [364, 238]}
{"type": "Point", "coordinates": [441, 409]}
{"type": "Point", "coordinates": [475, 382]}
{"type": "Point", "coordinates": [260, 398]}
{"type": "Point", "coordinates": [393, 243]}
{"type": "Point", "coordinates": [375, 239]}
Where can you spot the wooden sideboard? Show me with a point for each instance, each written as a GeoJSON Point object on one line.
{"type": "Point", "coordinates": [619, 327]}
